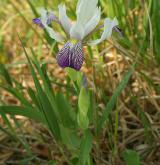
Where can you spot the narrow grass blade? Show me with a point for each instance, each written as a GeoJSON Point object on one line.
{"type": "Point", "coordinates": [85, 148]}
{"type": "Point", "coordinates": [8, 132]}
{"type": "Point", "coordinates": [17, 94]}
{"type": "Point", "coordinates": [23, 111]}
{"type": "Point", "coordinates": [113, 99]}
{"type": "Point", "coordinates": [33, 97]}
{"type": "Point", "coordinates": [46, 85]}
{"type": "Point", "coordinates": [32, 7]}
{"type": "Point", "coordinates": [7, 122]}
{"type": "Point", "coordinates": [66, 113]}
{"type": "Point", "coordinates": [22, 139]}
{"type": "Point", "coordinates": [155, 15]}
{"type": "Point", "coordinates": [5, 74]}
{"type": "Point", "coordinates": [146, 123]}
{"type": "Point", "coordinates": [46, 105]}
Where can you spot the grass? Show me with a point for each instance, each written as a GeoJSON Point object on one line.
{"type": "Point", "coordinates": [122, 99]}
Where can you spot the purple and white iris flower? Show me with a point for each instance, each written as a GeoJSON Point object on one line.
{"type": "Point", "coordinates": [88, 18]}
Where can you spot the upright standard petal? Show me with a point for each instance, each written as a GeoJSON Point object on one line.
{"type": "Point", "coordinates": [44, 16]}
{"type": "Point", "coordinates": [93, 22]}
{"type": "Point", "coordinates": [71, 56]}
{"type": "Point", "coordinates": [78, 4]}
{"type": "Point", "coordinates": [42, 21]}
{"type": "Point", "coordinates": [108, 27]}
{"type": "Point", "coordinates": [77, 31]}
{"type": "Point", "coordinates": [64, 20]}
{"type": "Point", "coordinates": [85, 10]}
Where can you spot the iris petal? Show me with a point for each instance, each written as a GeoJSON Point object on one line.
{"type": "Point", "coordinates": [93, 22]}
{"type": "Point", "coordinates": [77, 56]}
{"type": "Point", "coordinates": [64, 18]}
{"type": "Point", "coordinates": [38, 22]}
{"type": "Point", "coordinates": [64, 55]}
{"type": "Point", "coordinates": [77, 31]}
{"type": "Point", "coordinates": [108, 27]}
{"type": "Point", "coordinates": [54, 35]}
{"type": "Point", "coordinates": [52, 17]}
{"type": "Point", "coordinates": [71, 56]}
{"type": "Point", "coordinates": [45, 18]}
{"type": "Point", "coordinates": [85, 10]}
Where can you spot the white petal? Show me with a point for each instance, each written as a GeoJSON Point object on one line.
{"type": "Point", "coordinates": [64, 18]}
{"type": "Point", "coordinates": [85, 10]}
{"type": "Point", "coordinates": [78, 4]}
{"type": "Point", "coordinates": [53, 34]}
{"type": "Point", "coordinates": [108, 26]}
{"type": "Point", "coordinates": [93, 22]}
{"type": "Point", "coordinates": [77, 31]}
{"type": "Point", "coordinates": [44, 17]}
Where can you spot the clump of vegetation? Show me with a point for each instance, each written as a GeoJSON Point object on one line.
{"type": "Point", "coordinates": [102, 108]}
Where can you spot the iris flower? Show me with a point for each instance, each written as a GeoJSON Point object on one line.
{"type": "Point", "coordinates": [78, 32]}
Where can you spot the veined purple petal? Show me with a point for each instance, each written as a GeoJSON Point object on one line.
{"type": "Point", "coordinates": [77, 56]}
{"type": "Point", "coordinates": [71, 56]}
{"type": "Point", "coordinates": [64, 55]}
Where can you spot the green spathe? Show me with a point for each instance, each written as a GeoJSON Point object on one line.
{"type": "Point", "coordinates": [72, 73]}
{"type": "Point", "coordinates": [83, 105]}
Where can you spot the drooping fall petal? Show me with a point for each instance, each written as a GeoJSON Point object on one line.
{"type": "Point", "coordinates": [77, 56]}
{"type": "Point", "coordinates": [71, 55]}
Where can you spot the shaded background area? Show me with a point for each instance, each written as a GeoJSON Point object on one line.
{"type": "Point", "coordinates": [137, 112]}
